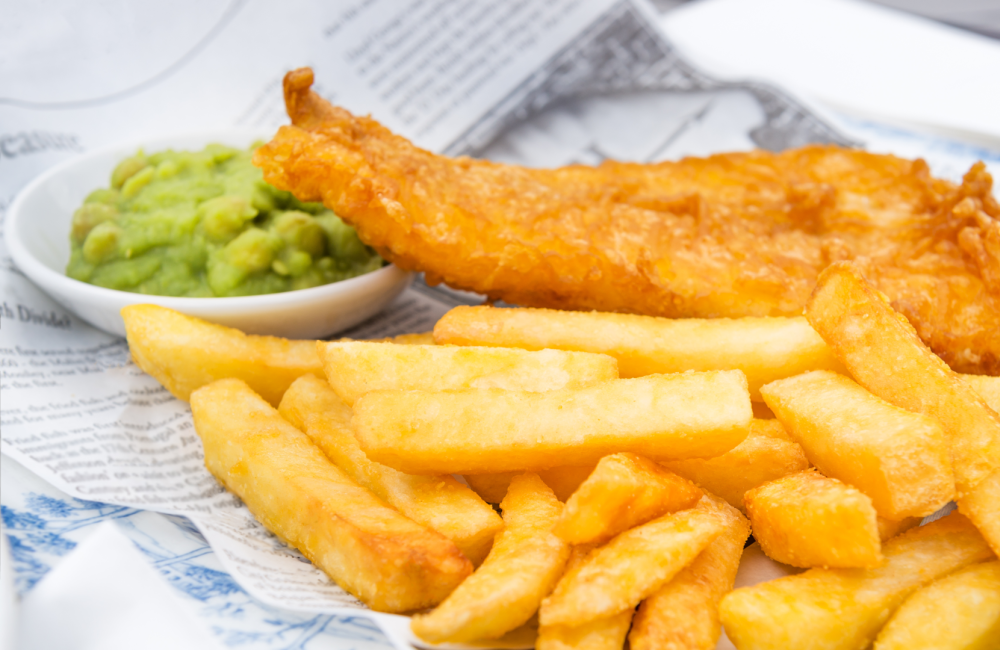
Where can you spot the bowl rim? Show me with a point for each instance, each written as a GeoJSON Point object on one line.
{"type": "Point", "coordinates": [34, 268]}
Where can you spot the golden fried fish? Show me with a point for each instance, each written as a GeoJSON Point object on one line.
{"type": "Point", "coordinates": [738, 234]}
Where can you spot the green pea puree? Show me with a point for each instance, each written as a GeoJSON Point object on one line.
{"type": "Point", "coordinates": [205, 224]}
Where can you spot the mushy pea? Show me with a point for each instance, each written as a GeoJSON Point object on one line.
{"type": "Point", "coordinates": [205, 224]}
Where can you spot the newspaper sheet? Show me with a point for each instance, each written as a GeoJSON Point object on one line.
{"type": "Point", "coordinates": [533, 83]}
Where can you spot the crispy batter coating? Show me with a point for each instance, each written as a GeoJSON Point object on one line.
{"type": "Point", "coordinates": [739, 234]}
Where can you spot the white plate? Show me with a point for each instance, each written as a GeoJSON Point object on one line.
{"type": "Point", "coordinates": [37, 235]}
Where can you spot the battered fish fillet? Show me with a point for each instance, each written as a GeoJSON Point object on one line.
{"type": "Point", "coordinates": [740, 234]}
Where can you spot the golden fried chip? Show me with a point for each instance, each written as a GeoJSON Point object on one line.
{"type": "Point", "coordinates": [960, 611]}
{"type": "Point", "coordinates": [843, 609]}
{"type": "Point", "coordinates": [766, 454]}
{"type": "Point", "coordinates": [358, 367]}
{"type": "Point", "coordinates": [898, 458]}
{"type": "Point", "coordinates": [982, 507]}
{"type": "Point", "coordinates": [420, 338]}
{"type": "Point", "coordinates": [599, 634]}
{"type": "Point", "coordinates": [765, 349]}
{"type": "Point", "coordinates": [761, 411]}
{"type": "Point", "coordinates": [184, 353]}
{"type": "Point", "coordinates": [438, 502]}
{"type": "Point", "coordinates": [389, 562]}
{"type": "Point", "coordinates": [491, 430]}
{"type": "Point", "coordinates": [617, 576]}
{"type": "Point", "coordinates": [884, 354]}
{"type": "Point", "coordinates": [623, 491]}
{"type": "Point", "coordinates": [564, 481]}
{"type": "Point", "coordinates": [808, 520]}
{"type": "Point", "coordinates": [986, 387]}
{"type": "Point", "coordinates": [684, 613]}
{"type": "Point", "coordinates": [887, 528]}
{"type": "Point", "coordinates": [770, 428]}
{"type": "Point", "coordinates": [492, 488]}
{"type": "Point", "coordinates": [524, 564]}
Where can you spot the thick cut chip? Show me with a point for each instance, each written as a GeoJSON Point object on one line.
{"type": "Point", "coordinates": [619, 575]}
{"type": "Point", "coordinates": [843, 609]}
{"type": "Point", "coordinates": [684, 613]}
{"type": "Point", "coordinates": [623, 491]}
{"type": "Point", "coordinates": [438, 502]}
{"type": "Point", "coordinates": [599, 634]}
{"type": "Point", "coordinates": [761, 411]}
{"type": "Point", "coordinates": [564, 481]}
{"type": "Point", "coordinates": [808, 520]}
{"type": "Point", "coordinates": [982, 507]}
{"type": "Point", "coordinates": [766, 454]}
{"type": "Point", "coordinates": [485, 431]}
{"type": "Point", "coordinates": [887, 528]}
{"type": "Point", "coordinates": [524, 564]}
{"type": "Point", "coordinates": [185, 353]}
{"type": "Point", "coordinates": [420, 338]}
{"type": "Point", "coordinates": [765, 349]}
{"type": "Point", "coordinates": [884, 354]}
{"type": "Point", "coordinates": [957, 612]}
{"type": "Point", "coordinates": [358, 367]}
{"type": "Point", "coordinates": [391, 563]}
{"type": "Point", "coordinates": [986, 387]}
{"type": "Point", "coordinates": [898, 458]}
{"type": "Point", "coordinates": [492, 488]}
{"type": "Point", "coordinates": [770, 428]}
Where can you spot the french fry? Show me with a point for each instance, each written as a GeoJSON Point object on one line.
{"type": "Point", "coordinates": [898, 458]}
{"type": "Point", "coordinates": [770, 428]}
{"type": "Point", "coordinates": [184, 353]}
{"type": "Point", "coordinates": [491, 488]}
{"type": "Point", "coordinates": [761, 411]}
{"type": "Point", "coordinates": [619, 575]}
{"type": "Point", "coordinates": [623, 491]}
{"type": "Point", "coordinates": [524, 564]}
{"type": "Point", "coordinates": [887, 528]}
{"type": "Point", "coordinates": [982, 507]}
{"type": "Point", "coordinates": [599, 634]}
{"type": "Point", "coordinates": [884, 354]}
{"type": "Point", "coordinates": [358, 367]}
{"type": "Point", "coordinates": [564, 481]}
{"type": "Point", "coordinates": [438, 502]}
{"type": "Point", "coordinates": [808, 520]}
{"type": "Point", "coordinates": [767, 453]}
{"type": "Point", "coordinates": [420, 338]}
{"type": "Point", "coordinates": [960, 611]}
{"type": "Point", "coordinates": [389, 562]}
{"type": "Point", "coordinates": [684, 613]}
{"type": "Point", "coordinates": [982, 504]}
{"type": "Point", "coordinates": [843, 609]}
{"type": "Point", "coordinates": [765, 349]}
{"type": "Point", "coordinates": [487, 431]}
{"type": "Point", "coordinates": [986, 387]}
